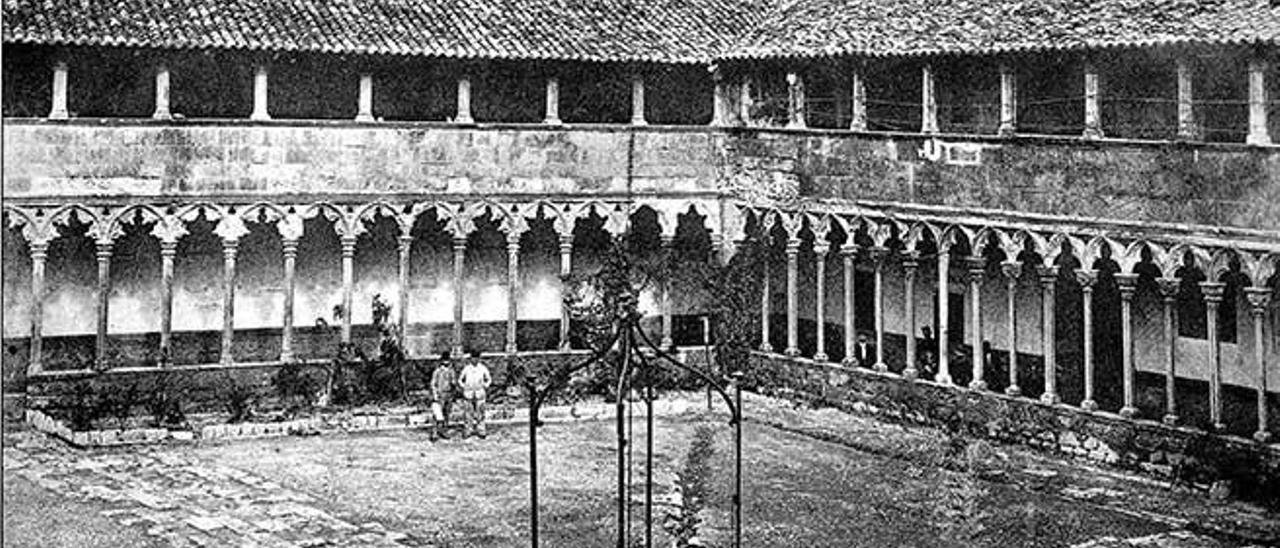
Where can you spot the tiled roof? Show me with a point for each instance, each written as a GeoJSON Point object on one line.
{"type": "Point", "coordinates": [597, 30]}
{"type": "Point", "coordinates": [810, 28]}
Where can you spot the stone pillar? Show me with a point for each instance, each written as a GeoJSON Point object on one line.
{"type": "Point", "coordinates": [364, 105]}
{"type": "Point", "coordinates": [229, 247]}
{"type": "Point", "coordinates": [162, 94]}
{"type": "Point", "coordinates": [1127, 284]}
{"type": "Point", "coordinates": [944, 327]}
{"type": "Point", "coordinates": [977, 271]}
{"type": "Point", "coordinates": [793, 312]}
{"type": "Point", "coordinates": [168, 251]}
{"type": "Point", "coordinates": [910, 264]}
{"type": "Point", "coordinates": [848, 254]}
{"type": "Point", "coordinates": [765, 346]}
{"type": "Point", "coordinates": [513, 290]}
{"type": "Point", "coordinates": [463, 114]}
{"type": "Point", "coordinates": [1169, 288]}
{"type": "Point", "coordinates": [637, 101]}
{"type": "Point", "coordinates": [459, 261]}
{"type": "Point", "coordinates": [1088, 278]}
{"type": "Point", "coordinates": [1258, 298]}
{"type": "Point", "coordinates": [1008, 101]}
{"type": "Point", "coordinates": [39, 252]}
{"type": "Point", "coordinates": [719, 100]}
{"type": "Point", "coordinates": [566, 268]}
{"type": "Point", "coordinates": [1012, 271]}
{"type": "Point", "coordinates": [59, 108]}
{"type": "Point", "coordinates": [289, 246]}
{"type": "Point", "coordinates": [820, 249]}
{"type": "Point", "coordinates": [260, 94]}
{"type": "Point", "coordinates": [878, 255]}
{"type": "Point", "coordinates": [1213, 299]}
{"type": "Point", "coordinates": [668, 242]}
{"type": "Point", "coordinates": [402, 285]}
{"type": "Point", "coordinates": [795, 101]}
{"type": "Point", "coordinates": [928, 101]}
{"type": "Point", "coordinates": [1259, 134]}
{"type": "Point", "coordinates": [1092, 103]}
{"type": "Point", "coordinates": [1048, 287]}
{"type": "Point", "coordinates": [552, 116]}
{"type": "Point", "coordinates": [348, 283]}
{"type": "Point", "coordinates": [744, 101]}
{"type": "Point", "coordinates": [1186, 106]}
{"type": "Point", "coordinates": [104, 298]}
{"type": "Point", "coordinates": [858, 101]}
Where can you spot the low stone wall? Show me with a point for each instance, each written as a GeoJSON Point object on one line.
{"type": "Point", "coordinates": [1182, 455]}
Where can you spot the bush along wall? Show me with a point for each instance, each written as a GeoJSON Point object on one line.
{"type": "Point", "coordinates": [1250, 471]}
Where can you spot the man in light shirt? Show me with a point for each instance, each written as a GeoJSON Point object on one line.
{"type": "Point", "coordinates": [475, 381]}
{"type": "Point", "coordinates": [442, 383]}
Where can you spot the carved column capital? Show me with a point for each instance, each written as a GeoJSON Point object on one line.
{"type": "Point", "coordinates": [1012, 271]}
{"type": "Point", "coordinates": [910, 261]}
{"type": "Point", "coordinates": [1258, 298]}
{"type": "Point", "coordinates": [849, 249]}
{"type": "Point", "coordinates": [977, 268]}
{"type": "Point", "coordinates": [348, 245]}
{"type": "Point", "coordinates": [793, 245]}
{"type": "Point", "coordinates": [1048, 275]}
{"type": "Point", "coordinates": [1169, 288]}
{"type": "Point", "coordinates": [289, 247]}
{"type": "Point", "coordinates": [1087, 278]}
{"type": "Point", "coordinates": [877, 255]}
{"type": "Point", "coordinates": [1127, 283]}
{"type": "Point", "coordinates": [820, 248]}
{"type": "Point", "coordinates": [39, 250]}
{"type": "Point", "coordinates": [406, 243]}
{"type": "Point", "coordinates": [1212, 292]}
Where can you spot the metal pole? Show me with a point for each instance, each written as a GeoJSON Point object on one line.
{"type": "Point", "coordinates": [737, 461]}
{"type": "Point", "coordinates": [622, 438]}
{"type": "Point", "coordinates": [648, 456]}
{"type": "Point", "coordinates": [533, 468]}
{"type": "Point", "coordinates": [706, 350]}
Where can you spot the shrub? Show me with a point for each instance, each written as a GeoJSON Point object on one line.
{"type": "Point", "coordinates": [166, 395]}
{"type": "Point", "coordinates": [295, 388]}
{"type": "Point", "coordinates": [84, 404]}
{"type": "Point", "coordinates": [237, 396]}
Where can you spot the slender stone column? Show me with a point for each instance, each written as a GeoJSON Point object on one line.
{"type": "Point", "coordinates": [1012, 271]}
{"type": "Point", "coordinates": [348, 284]}
{"type": "Point", "coordinates": [910, 265]}
{"type": "Point", "coordinates": [944, 327]}
{"type": "Point", "coordinates": [1258, 298]}
{"type": "Point", "coordinates": [744, 101]}
{"type": "Point", "coordinates": [513, 290]}
{"type": "Point", "coordinates": [552, 116]}
{"type": "Point", "coordinates": [848, 254]}
{"type": "Point", "coordinates": [1259, 134]}
{"type": "Point", "coordinates": [1127, 284]}
{"type": "Point", "coordinates": [1186, 106]}
{"type": "Point", "coordinates": [1092, 103]}
{"type": "Point", "coordinates": [402, 287]}
{"type": "Point", "coordinates": [1088, 278]}
{"type": "Point", "coordinates": [459, 261]}
{"type": "Point", "coordinates": [168, 251]}
{"type": "Point", "coordinates": [1169, 288]}
{"type": "Point", "coordinates": [39, 252]}
{"type": "Point", "coordinates": [1212, 300]}
{"type": "Point", "coordinates": [820, 249]}
{"type": "Point", "coordinates": [59, 109]}
{"type": "Point", "coordinates": [765, 346]}
{"type": "Point", "coordinates": [977, 271]}
{"type": "Point", "coordinates": [104, 298]}
{"type": "Point", "coordinates": [637, 101]}
{"type": "Point", "coordinates": [858, 100]}
{"type": "Point", "coordinates": [795, 101]}
{"type": "Point", "coordinates": [463, 114]}
{"type": "Point", "coordinates": [364, 103]}
{"type": "Point", "coordinates": [289, 246]}
{"type": "Point", "coordinates": [1049, 346]}
{"type": "Point", "coordinates": [229, 247]}
{"type": "Point", "coordinates": [667, 324]}
{"type": "Point", "coordinates": [1008, 101]}
{"type": "Point", "coordinates": [928, 101]}
{"type": "Point", "coordinates": [719, 100]}
{"type": "Point", "coordinates": [793, 312]}
{"type": "Point", "coordinates": [162, 94]}
{"type": "Point", "coordinates": [566, 268]}
{"type": "Point", "coordinates": [878, 255]}
{"type": "Point", "coordinates": [260, 94]}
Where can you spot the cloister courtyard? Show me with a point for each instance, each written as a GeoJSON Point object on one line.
{"type": "Point", "coordinates": [813, 477]}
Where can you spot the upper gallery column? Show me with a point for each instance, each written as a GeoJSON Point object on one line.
{"type": "Point", "coordinates": [260, 93]}
{"type": "Point", "coordinates": [59, 93]}
{"type": "Point", "coordinates": [162, 94]}
{"type": "Point", "coordinates": [1008, 100]}
{"type": "Point", "coordinates": [463, 114]}
{"type": "Point", "coordinates": [637, 100]}
{"type": "Point", "coordinates": [552, 116]}
{"type": "Point", "coordinates": [1187, 129]}
{"type": "Point", "coordinates": [795, 101]}
{"type": "Point", "coordinates": [364, 101]}
{"type": "Point", "coordinates": [858, 98]}
{"type": "Point", "coordinates": [1259, 133]}
{"type": "Point", "coordinates": [1092, 102]}
{"type": "Point", "coordinates": [928, 100]}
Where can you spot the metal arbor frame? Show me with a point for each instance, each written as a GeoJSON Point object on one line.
{"type": "Point", "coordinates": [633, 352]}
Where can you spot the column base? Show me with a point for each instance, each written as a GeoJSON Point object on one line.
{"type": "Point", "coordinates": [792, 352]}
{"type": "Point", "coordinates": [1005, 131]}
{"type": "Point", "coordinates": [552, 122]}
{"type": "Point", "coordinates": [286, 357]}
{"type": "Point", "coordinates": [667, 344]}
{"type": "Point", "coordinates": [767, 348]}
{"type": "Point", "coordinates": [1128, 412]}
{"type": "Point", "coordinates": [910, 373]}
{"type": "Point", "coordinates": [639, 122]}
{"type": "Point", "coordinates": [1171, 420]}
{"type": "Point", "coordinates": [1013, 391]}
{"type": "Point", "coordinates": [1092, 133]}
{"type": "Point", "coordinates": [820, 357]}
{"type": "Point", "coordinates": [1262, 436]}
{"type": "Point", "coordinates": [162, 115]}
{"type": "Point", "coordinates": [510, 349]}
{"type": "Point", "coordinates": [1089, 405]}
{"type": "Point", "coordinates": [880, 367]}
{"type": "Point", "coordinates": [1050, 398]}
{"type": "Point", "coordinates": [59, 115]}
{"type": "Point", "coordinates": [1219, 427]}
{"type": "Point", "coordinates": [978, 384]}
{"type": "Point", "coordinates": [1253, 139]}
{"type": "Point", "coordinates": [849, 362]}
{"type": "Point", "coordinates": [564, 346]}
{"type": "Point", "coordinates": [364, 118]}
{"type": "Point", "coordinates": [794, 125]}
{"type": "Point", "coordinates": [259, 116]}
{"type": "Point", "coordinates": [943, 378]}
{"type": "Point", "coordinates": [465, 120]}
{"type": "Point", "coordinates": [456, 352]}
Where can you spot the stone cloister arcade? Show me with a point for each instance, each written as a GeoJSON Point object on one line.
{"type": "Point", "coordinates": [1143, 323]}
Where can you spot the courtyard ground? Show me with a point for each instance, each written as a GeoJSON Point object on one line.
{"type": "Point", "coordinates": [812, 478]}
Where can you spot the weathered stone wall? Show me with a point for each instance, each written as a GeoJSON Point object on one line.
{"type": "Point", "coordinates": [45, 159]}
{"type": "Point", "coordinates": [1230, 186]}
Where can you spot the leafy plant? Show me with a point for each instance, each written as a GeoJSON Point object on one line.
{"type": "Point", "coordinates": [84, 404]}
{"type": "Point", "coordinates": [238, 397]}
{"type": "Point", "coordinates": [295, 388]}
{"type": "Point", "coordinates": [166, 394]}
